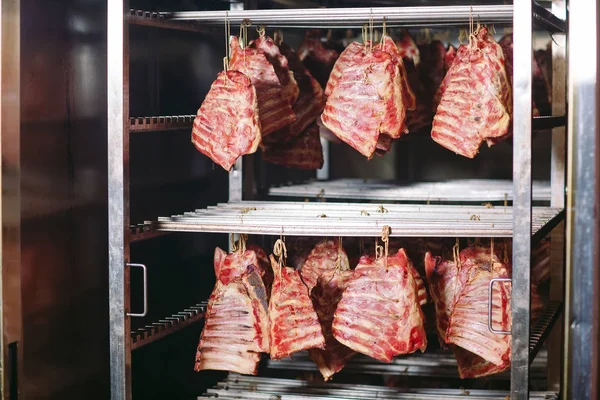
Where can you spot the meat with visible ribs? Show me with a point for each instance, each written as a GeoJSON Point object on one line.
{"type": "Point", "coordinates": [304, 151]}
{"type": "Point", "coordinates": [459, 291]}
{"type": "Point", "coordinates": [475, 98]}
{"type": "Point", "coordinates": [326, 294]}
{"type": "Point", "coordinates": [227, 124]}
{"type": "Point", "coordinates": [289, 86]}
{"type": "Point", "coordinates": [408, 97]}
{"type": "Point", "coordinates": [236, 328]}
{"type": "Point", "coordinates": [325, 256]}
{"type": "Point", "coordinates": [379, 314]}
{"type": "Point", "coordinates": [274, 110]}
{"type": "Point", "coordinates": [264, 267]}
{"type": "Point", "coordinates": [310, 102]}
{"type": "Point", "coordinates": [365, 100]}
{"type": "Point", "coordinates": [294, 322]}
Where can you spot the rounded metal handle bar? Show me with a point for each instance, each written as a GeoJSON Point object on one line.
{"type": "Point", "coordinates": [145, 311]}
{"type": "Point", "coordinates": [491, 285]}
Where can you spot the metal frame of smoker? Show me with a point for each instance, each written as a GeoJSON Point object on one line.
{"type": "Point", "coordinates": [581, 139]}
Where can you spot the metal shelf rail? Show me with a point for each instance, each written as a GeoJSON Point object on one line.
{"type": "Point", "coordinates": [167, 326]}
{"type": "Point", "coordinates": [255, 388]}
{"type": "Point", "coordinates": [450, 191]}
{"type": "Point", "coordinates": [356, 17]}
{"type": "Point", "coordinates": [356, 219]}
{"type": "Point", "coordinates": [159, 20]}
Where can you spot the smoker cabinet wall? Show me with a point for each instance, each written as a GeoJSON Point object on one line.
{"type": "Point", "coordinates": [64, 200]}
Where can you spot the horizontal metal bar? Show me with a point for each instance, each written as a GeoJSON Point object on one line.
{"type": "Point", "coordinates": [356, 17]}
{"type": "Point", "coordinates": [161, 123]}
{"type": "Point", "coordinates": [159, 20]}
{"type": "Point", "coordinates": [145, 231]}
{"type": "Point", "coordinates": [354, 219]}
{"type": "Point", "coordinates": [166, 327]}
{"type": "Point", "coordinates": [450, 191]}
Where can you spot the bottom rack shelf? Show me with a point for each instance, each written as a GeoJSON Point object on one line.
{"type": "Point", "coordinates": [251, 387]}
{"type": "Point", "coordinates": [165, 327]}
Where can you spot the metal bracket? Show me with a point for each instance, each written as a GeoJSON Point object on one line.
{"type": "Point", "coordinates": [143, 267]}
{"type": "Point", "coordinates": [491, 285]}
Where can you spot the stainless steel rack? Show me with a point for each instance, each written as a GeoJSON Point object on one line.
{"type": "Point", "coordinates": [450, 191]}
{"type": "Point", "coordinates": [356, 219]}
{"type": "Point", "coordinates": [168, 325]}
{"type": "Point", "coordinates": [145, 231]}
{"type": "Point", "coordinates": [521, 221]}
{"type": "Point", "coordinates": [250, 387]}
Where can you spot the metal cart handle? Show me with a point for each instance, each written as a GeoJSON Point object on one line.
{"type": "Point", "coordinates": [492, 281]}
{"type": "Point", "coordinates": [143, 267]}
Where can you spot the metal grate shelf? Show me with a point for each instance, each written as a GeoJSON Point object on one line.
{"type": "Point", "coordinates": [355, 17]}
{"type": "Point", "coordinates": [161, 123]}
{"type": "Point", "coordinates": [438, 364]}
{"type": "Point", "coordinates": [542, 328]}
{"type": "Point", "coordinates": [456, 191]}
{"type": "Point", "coordinates": [165, 327]}
{"type": "Point", "coordinates": [145, 231]}
{"type": "Point", "coordinates": [250, 387]}
{"type": "Point", "coordinates": [357, 219]}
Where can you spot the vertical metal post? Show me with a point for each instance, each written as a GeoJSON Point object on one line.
{"type": "Point", "coordinates": [557, 181]}
{"type": "Point", "coordinates": [521, 258]}
{"type": "Point", "coordinates": [323, 173]}
{"type": "Point", "coordinates": [581, 346]}
{"type": "Point", "coordinates": [118, 198]}
{"type": "Point", "coordinates": [10, 200]}
{"type": "Point", "coordinates": [236, 178]}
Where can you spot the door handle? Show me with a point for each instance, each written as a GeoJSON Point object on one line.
{"type": "Point", "coordinates": [145, 274]}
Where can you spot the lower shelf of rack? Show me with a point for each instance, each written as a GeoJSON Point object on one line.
{"type": "Point", "coordinates": [167, 326]}
{"type": "Point", "coordinates": [257, 388]}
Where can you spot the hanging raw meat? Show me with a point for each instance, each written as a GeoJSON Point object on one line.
{"type": "Point", "coordinates": [475, 98]}
{"type": "Point", "coordinates": [294, 322]}
{"type": "Point", "coordinates": [408, 97]}
{"type": "Point", "coordinates": [264, 266]}
{"type": "Point", "coordinates": [379, 313]}
{"type": "Point", "coordinates": [237, 323]}
{"type": "Point", "coordinates": [408, 48]}
{"type": "Point", "coordinates": [227, 124]}
{"type": "Point", "coordinates": [366, 99]}
{"type": "Point", "coordinates": [449, 58]}
{"type": "Point", "coordinates": [325, 256]}
{"type": "Point", "coordinates": [289, 86]}
{"type": "Point", "coordinates": [433, 57]}
{"type": "Point", "coordinates": [459, 290]}
{"type": "Point", "coordinates": [326, 294]}
{"type": "Point", "coordinates": [304, 151]}
{"type": "Point", "coordinates": [310, 103]}
{"type": "Point", "coordinates": [274, 110]}
{"type": "Point", "coordinates": [316, 57]}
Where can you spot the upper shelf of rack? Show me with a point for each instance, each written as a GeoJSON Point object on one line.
{"type": "Point", "coordinates": [457, 190]}
{"type": "Point", "coordinates": [356, 17]}
{"type": "Point", "coordinates": [357, 219]}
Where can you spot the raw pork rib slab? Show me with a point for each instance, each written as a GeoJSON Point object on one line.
{"type": "Point", "coordinates": [322, 258]}
{"type": "Point", "coordinates": [274, 110]}
{"type": "Point", "coordinates": [379, 313]}
{"type": "Point", "coordinates": [237, 322]}
{"type": "Point", "coordinates": [289, 87]}
{"type": "Point", "coordinates": [318, 59]}
{"type": "Point", "coordinates": [310, 103]}
{"type": "Point", "coordinates": [227, 124]}
{"type": "Point", "coordinates": [460, 296]}
{"type": "Point", "coordinates": [294, 322]}
{"type": "Point", "coordinates": [366, 100]}
{"type": "Point", "coordinates": [475, 98]}
{"type": "Point", "coordinates": [326, 295]}
{"type": "Point", "coordinates": [304, 152]}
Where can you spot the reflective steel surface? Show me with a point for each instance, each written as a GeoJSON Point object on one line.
{"type": "Point", "coordinates": [63, 199]}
